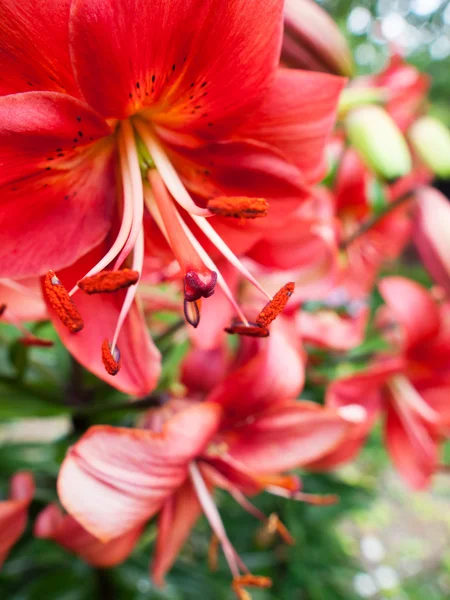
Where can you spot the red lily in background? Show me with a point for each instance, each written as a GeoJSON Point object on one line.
{"type": "Point", "coordinates": [411, 386]}
{"type": "Point", "coordinates": [242, 438]}
{"type": "Point", "coordinates": [86, 142]}
{"type": "Point", "coordinates": [64, 530]}
{"type": "Point", "coordinates": [14, 512]}
{"type": "Point", "coordinates": [432, 234]}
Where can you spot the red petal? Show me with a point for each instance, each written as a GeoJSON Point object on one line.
{"type": "Point", "coordinates": [413, 307]}
{"type": "Point", "coordinates": [52, 211]}
{"type": "Point", "coordinates": [159, 49]}
{"type": "Point", "coordinates": [34, 47]}
{"type": "Point", "coordinates": [115, 479]}
{"type": "Point", "coordinates": [286, 437]}
{"type": "Point", "coordinates": [432, 234]}
{"type": "Point", "coordinates": [140, 359]}
{"type": "Point", "coordinates": [328, 329]}
{"type": "Point", "coordinates": [297, 117]}
{"type": "Point", "coordinates": [68, 533]}
{"type": "Point", "coordinates": [14, 512]}
{"type": "Point", "coordinates": [272, 373]}
{"type": "Point", "coordinates": [176, 519]}
{"type": "Point", "coordinates": [413, 451]}
{"type": "Point", "coordinates": [24, 298]}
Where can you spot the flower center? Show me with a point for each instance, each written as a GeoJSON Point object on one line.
{"type": "Point", "coordinates": [149, 179]}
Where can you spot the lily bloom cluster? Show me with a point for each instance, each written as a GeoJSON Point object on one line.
{"type": "Point", "coordinates": [201, 158]}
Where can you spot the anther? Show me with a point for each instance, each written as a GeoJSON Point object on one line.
{"type": "Point", "coordinates": [213, 550]}
{"type": "Point", "coordinates": [192, 313]}
{"type": "Point", "coordinates": [111, 360]}
{"type": "Point", "coordinates": [249, 580]}
{"type": "Point", "coordinates": [198, 285]}
{"type": "Point", "coordinates": [274, 525]}
{"type": "Point", "coordinates": [32, 340]}
{"type": "Point", "coordinates": [62, 303]}
{"type": "Point", "coordinates": [2, 309]}
{"type": "Point", "coordinates": [251, 330]}
{"type": "Point", "coordinates": [238, 207]}
{"type": "Point", "coordinates": [107, 282]}
{"type": "Point", "coordinates": [276, 305]}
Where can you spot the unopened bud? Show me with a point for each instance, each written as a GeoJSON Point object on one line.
{"type": "Point", "coordinates": [378, 141]}
{"type": "Point", "coordinates": [313, 41]}
{"type": "Point", "coordinates": [430, 138]}
{"type": "Point", "coordinates": [354, 97]}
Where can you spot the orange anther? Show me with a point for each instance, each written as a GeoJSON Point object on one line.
{"type": "Point", "coordinates": [275, 525]}
{"type": "Point", "coordinates": [32, 340]}
{"type": "Point", "coordinates": [252, 330]}
{"type": "Point", "coordinates": [2, 309]}
{"type": "Point", "coordinates": [107, 282]}
{"type": "Point", "coordinates": [111, 360]}
{"type": "Point", "coordinates": [276, 305]}
{"type": "Point", "coordinates": [238, 207]}
{"type": "Point", "coordinates": [62, 303]}
{"type": "Point", "coordinates": [213, 552]}
{"type": "Point", "coordinates": [249, 580]}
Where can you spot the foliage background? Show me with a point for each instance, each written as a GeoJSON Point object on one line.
{"type": "Point", "coordinates": [378, 542]}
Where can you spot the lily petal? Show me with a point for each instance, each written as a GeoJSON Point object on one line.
{"type": "Point", "coordinates": [287, 436]}
{"type": "Point", "coordinates": [115, 479]}
{"type": "Point", "coordinates": [290, 122]}
{"type": "Point", "coordinates": [141, 360]}
{"type": "Point", "coordinates": [14, 512]}
{"type": "Point", "coordinates": [68, 533]}
{"type": "Point", "coordinates": [223, 54]}
{"type": "Point", "coordinates": [57, 186]}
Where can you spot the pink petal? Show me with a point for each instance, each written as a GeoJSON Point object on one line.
{"type": "Point", "coordinates": [14, 512]}
{"type": "Point", "coordinates": [419, 316]}
{"type": "Point", "coordinates": [432, 234]}
{"type": "Point", "coordinates": [272, 373]}
{"type": "Point", "coordinates": [34, 47]}
{"type": "Point", "coordinates": [164, 52]}
{"type": "Point", "coordinates": [68, 533]}
{"type": "Point", "coordinates": [115, 479]}
{"type": "Point", "coordinates": [297, 117]}
{"type": "Point", "coordinates": [176, 519]}
{"type": "Point", "coordinates": [328, 329]}
{"type": "Point", "coordinates": [54, 208]}
{"type": "Point", "coordinates": [286, 437]}
{"type": "Point", "coordinates": [24, 298]}
{"type": "Point", "coordinates": [140, 359]}
{"type": "Point", "coordinates": [202, 370]}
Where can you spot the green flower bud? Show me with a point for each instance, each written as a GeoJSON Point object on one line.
{"type": "Point", "coordinates": [430, 138]}
{"type": "Point", "coordinates": [378, 141]}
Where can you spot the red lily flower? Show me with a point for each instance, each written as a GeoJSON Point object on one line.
{"type": "Point", "coordinates": [14, 512]}
{"type": "Point", "coordinates": [242, 438]}
{"type": "Point", "coordinates": [109, 115]}
{"type": "Point", "coordinates": [68, 533]}
{"type": "Point", "coordinates": [411, 386]}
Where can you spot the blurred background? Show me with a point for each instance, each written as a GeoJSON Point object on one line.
{"type": "Point", "coordinates": [379, 542]}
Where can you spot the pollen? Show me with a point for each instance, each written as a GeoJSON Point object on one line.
{"type": "Point", "coordinates": [276, 305]}
{"type": "Point", "coordinates": [238, 207]}
{"type": "Point", "coordinates": [251, 330]}
{"type": "Point", "coordinates": [62, 303]}
{"type": "Point", "coordinates": [111, 360]}
{"type": "Point", "coordinates": [107, 282]}
{"type": "Point", "coordinates": [249, 580]}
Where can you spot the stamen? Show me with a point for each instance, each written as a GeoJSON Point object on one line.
{"type": "Point", "coordinates": [108, 281]}
{"type": "Point", "coordinates": [167, 171]}
{"type": "Point", "coordinates": [238, 207]}
{"type": "Point", "coordinates": [316, 499]}
{"type": "Point", "coordinates": [127, 218]}
{"type": "Point", "coordinates": [218, 242]}
{"type": "Point", "coordinates": [274, 525]}
{"type": "Point", "coordinates": [32, 340]}
{"type": "Point", "coordinates": [62, 303]}
{"type": "Point", "coordinates": [199, 281]}
{"type": "Point", "coordinates": [192, 313]}
{"type": "Point", "coordinates": [249, 580]}
{"type": "Point", "coordinates": [213, 550]}
{"type": "Point", "coordinates": [2, 309]}
{"type": "Point", "coordinates": [213, 516]}
{"type": "Point", "coordinates": [250, 329]}
{"type": "Point", "coordinates": [110, 358]}
{"type": "Point", "coordinates": [275, 306]}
